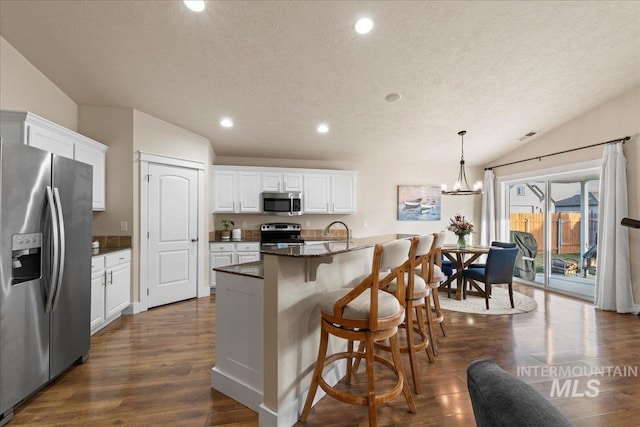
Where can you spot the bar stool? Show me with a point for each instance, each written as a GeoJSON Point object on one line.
{"type": "Point", "coordinates": [416, 293]}
{"type": "Point", "coordinates": [431, 272]}
{"type": "Point", "coordinates": [365, 314]}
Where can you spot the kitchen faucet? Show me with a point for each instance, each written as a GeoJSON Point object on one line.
{"type": "Point", "coordinates": [325, 232]}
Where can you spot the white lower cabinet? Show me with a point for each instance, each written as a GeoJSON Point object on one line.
{"type": "Point", "coordinates": [97, 292]}
{"type": "Point", "coordinates": [247, 252]}
{"type": "Point", "coordinates": [110, 287]}
{"type": "Point", "coordinates": [227, 253]}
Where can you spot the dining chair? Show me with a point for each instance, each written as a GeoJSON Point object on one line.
{"type": "Point", "coordinates": [498, 270]}
{"type": "Point", "coordinates": [494, 244]}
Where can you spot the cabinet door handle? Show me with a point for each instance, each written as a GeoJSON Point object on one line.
{"type": "Point", "coordinates": [111, 277]}
{"type": "Point", "coordinates": [104, 279]}
{"type": "Point", "coordinates": [194, 240]}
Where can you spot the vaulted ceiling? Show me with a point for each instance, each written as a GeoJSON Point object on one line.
{"type": "Point", "coordinates": [279, 68]}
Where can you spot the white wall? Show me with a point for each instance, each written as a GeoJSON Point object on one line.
{"type": "Point", "coordinates": [113, 127]}
{"type": "Point", "coordinates": [616, 118]}
{"type": "Point", "coordinates": [24, 88]}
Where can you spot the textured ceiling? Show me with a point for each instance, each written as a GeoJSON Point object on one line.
{"type": "Point", "coordinates": [497, 69]}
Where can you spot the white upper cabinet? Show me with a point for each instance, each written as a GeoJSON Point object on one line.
{"type": "Point", "coordinates": [53, 140]}
{"type": "Point", "coordinates": [330, 193]}
{"type": "Point", "coordinates": [316, 194]}
{"type": "Point", "coordinates": [343, 191]}
{"type": "Point", "coordinates": [249, 190]}
{"type": "Point", "coordinates": [238, 189]}
{"type": "Point", "coordinates": [94, 154]}
{"type": "Point", "coordinates": [224, 191]}
{"type": "Point", "coordinates": [278, 181]}
{"type": "Point", "coordinates": [27, 128]}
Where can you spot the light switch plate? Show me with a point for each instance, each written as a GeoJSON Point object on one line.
{"type": "Point", "coordinates": [124, 226]}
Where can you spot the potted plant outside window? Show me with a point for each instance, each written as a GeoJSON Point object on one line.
{"type": "Point", "coordinates": [226, 233]}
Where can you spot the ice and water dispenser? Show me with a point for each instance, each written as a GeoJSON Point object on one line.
{"type": "Point", "coordinates": [26, 257]}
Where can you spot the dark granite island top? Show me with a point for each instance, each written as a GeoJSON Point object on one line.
{"type": "Point", "coordinates": [249, 269]}
{"type": "Point", "coordinates": [332, 247]}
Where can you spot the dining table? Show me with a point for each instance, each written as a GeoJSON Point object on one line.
{"type": "Point", "coordinates": [461, 258]}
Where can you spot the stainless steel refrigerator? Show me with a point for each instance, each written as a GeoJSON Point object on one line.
{"type": "Point", "coordinates": [45, 269]}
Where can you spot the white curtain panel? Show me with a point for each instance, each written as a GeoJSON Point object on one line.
{"type": "Point", "coordinates": [613, 272]}
{"type": "Point", "coordinates": [488, 219]}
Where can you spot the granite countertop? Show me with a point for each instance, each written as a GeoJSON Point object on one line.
{"type": "Point", "coordinates": [250, 269]}
{"type": "Point", "coordinates": [106, 251]}
{"type": "Point", "coordinates": [332, 247]}
{"type": "Point", "coordinates": [235, 241]}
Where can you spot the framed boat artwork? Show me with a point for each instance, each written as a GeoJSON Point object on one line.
{"type": "Point", "coordinates": [419, 202]}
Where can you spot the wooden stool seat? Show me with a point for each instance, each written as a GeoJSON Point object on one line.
{"type": "Point", "coordinates": [366, 315]}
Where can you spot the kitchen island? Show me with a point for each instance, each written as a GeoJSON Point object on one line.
{"type": "Point", "coordinates": [268, 323]}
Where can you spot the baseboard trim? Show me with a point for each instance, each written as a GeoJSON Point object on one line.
{"type": "Point", "coordinates": [291, 410]}
{"type": "Point", "coordinates": [237, 390]}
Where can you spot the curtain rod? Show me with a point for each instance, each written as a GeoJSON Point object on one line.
{"type": "Point", "coordinates": [623, 140]}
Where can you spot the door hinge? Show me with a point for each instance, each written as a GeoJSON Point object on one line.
{"type": "Point", "coordinates": [147, 234]}
{"type": "Point", "coordinates": [149, 177]}
{"type": "Point", "coordinates": [147, 292]}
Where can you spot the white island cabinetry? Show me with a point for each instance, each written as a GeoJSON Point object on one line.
{"type": "Point", "coordinates": [268, 327]}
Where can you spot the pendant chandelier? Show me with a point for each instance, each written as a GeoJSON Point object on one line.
{"type": "Point", "coordinates": [461, 186]}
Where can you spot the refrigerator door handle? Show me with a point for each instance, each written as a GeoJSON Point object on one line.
{"type": "Point", "coordinates": [55, 258]}
{"type": "Point", "coordinates": [62, 247]}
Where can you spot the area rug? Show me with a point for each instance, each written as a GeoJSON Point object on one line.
{"type": "Point", "coordinates": [498, 303]}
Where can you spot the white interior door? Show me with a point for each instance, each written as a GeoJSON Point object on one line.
{"type": "Point", "coordinates": [173, 232]}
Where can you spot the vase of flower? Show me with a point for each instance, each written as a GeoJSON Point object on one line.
{"type": "Point", "coordinates": [460, 227]}
{"type": "Point", "coordinates": [462, 241]}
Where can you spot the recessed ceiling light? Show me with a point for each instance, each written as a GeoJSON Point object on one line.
{"type": "Point", "coordinates": [393, 97]}
{"type": "Point", "coordinates": [226, 123]}
{"type": "Point", "coordinates": [195, 5]}
{"type": "Point", "coordinates": [363, 25]}
{"type": "Point", "coordinates": [323, 128]}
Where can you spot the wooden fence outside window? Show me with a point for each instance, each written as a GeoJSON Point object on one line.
{"type": "Point", "coordinates": [564, 224]}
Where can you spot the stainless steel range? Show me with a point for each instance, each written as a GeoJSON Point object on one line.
{"type": "Point", "coordinates": [272, 234]}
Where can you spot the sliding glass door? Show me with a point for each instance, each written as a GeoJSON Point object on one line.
{"type": "Point", "coordinates": [553, 217]}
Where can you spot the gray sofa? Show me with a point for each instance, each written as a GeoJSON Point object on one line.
{"type": "Point", "coordinates": [501, 399]}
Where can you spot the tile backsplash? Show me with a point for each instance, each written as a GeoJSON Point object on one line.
{"type": "Point", "coordinates": [113, 241]}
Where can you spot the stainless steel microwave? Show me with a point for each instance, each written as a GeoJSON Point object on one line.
{"type": "Point", "coordinates": [287, 203]}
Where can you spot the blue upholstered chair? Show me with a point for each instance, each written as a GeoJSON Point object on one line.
{"type": "Point", "coordinates": [498, 270]}
{"type": "Point", "coordinates": [494, 244]}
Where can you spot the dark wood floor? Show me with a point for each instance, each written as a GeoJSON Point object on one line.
{"type": "Point", "coordinates": [154, 369]}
